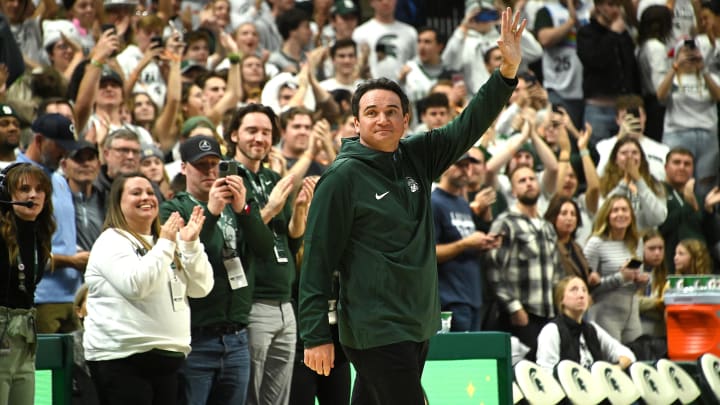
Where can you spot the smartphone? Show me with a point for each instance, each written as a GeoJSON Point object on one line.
{"type": "Point", "coordinates": [228, 168]}
{"type": "Point", "coordinates": [633, 111]}
{"type": "Point", "coordinates": [634, 263]}
{"type": "Point", "coordinates": [690, 43]}
{"type": "Point", "coordinates": [105, 27]}
{"type": "Point", "coordinates": [156, 41]}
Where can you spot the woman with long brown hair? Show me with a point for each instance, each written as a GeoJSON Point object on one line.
{"type": "Point", "coordinates": [140, 275]}
{"type": "Point", "coordinates": [614, 243]}
{"type": "Point", "coordinates": [25, 244]}
{"type": "Point", "coordinates": [627, 174]}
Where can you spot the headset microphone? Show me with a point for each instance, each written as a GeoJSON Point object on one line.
{"type": "Point", "coordinates": [28, 204]}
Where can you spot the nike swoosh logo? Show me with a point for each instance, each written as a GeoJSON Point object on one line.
{"type": "Point", "coordinates": [381, 196]}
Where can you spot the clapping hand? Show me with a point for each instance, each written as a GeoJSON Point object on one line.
{"type": "Point", "coordinates": [191, 231]}
{"type": "Point", "coordinates": [171, 226]}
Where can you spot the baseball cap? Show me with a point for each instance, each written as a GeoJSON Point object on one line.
{"type": "Point", "coordinates": [7, 111]}
{"type": "Point", "coordinates": [194, 122]}
{"type": "Point", "coordinates": [58, 128]}
{"type": "Point", "coordinates": [479, 5]}
{"type": "Point", "coordinates": [82, 146]}
{"type": "Point", "coordinates": [150, 151]}
{"type": "Point", "coordinates": [197, 147]}
{"type": "Point", "coordinates": [344, 7]}
{"type": "Point", "coordinates": [188, 65]}
{"type": "Point", "coordinates": [466, 156]}
{"type": "Point", "coordinates": [111, 75]}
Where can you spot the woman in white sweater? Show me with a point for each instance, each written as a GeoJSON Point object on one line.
{"type": "Point", "coordinates": [137, 331]}
{"type": "Point", "coordinates": [569, 337]}
{"type": "Point", "coordinates": [614, 242]}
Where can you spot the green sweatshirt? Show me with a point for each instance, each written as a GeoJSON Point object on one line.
{"type": "Point", "coordinates": [224, 305]}
{"type": "Point", "coordinates": [273, 280]}
{"type": "Point", "coordinates": [371, 218]}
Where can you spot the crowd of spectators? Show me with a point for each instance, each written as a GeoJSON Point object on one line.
{"type": "Point", "coordinates": [604, 166]}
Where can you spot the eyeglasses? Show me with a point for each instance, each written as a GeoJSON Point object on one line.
{"type": "Point", "coordinates": [126, 151]}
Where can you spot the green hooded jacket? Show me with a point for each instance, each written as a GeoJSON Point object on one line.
{"type": "Point", "coordinates": [371, 219]}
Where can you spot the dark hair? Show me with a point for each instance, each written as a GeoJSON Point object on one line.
{"type": "Point", "coordinates": [712, 5]}
{"type": "Point", "coordinates": [628, 101]}
{"type": "Point", "coordinates": [45, 220]}
{"type": "Point", "coordinates": [343, 43]}
{"type": "Point", "coordinates": [655, 22]}
{"type": "Point", "coordinates": [379, 84]}
{"type": "Point", "coordinates": [46, 102]}
{"type": "Point", "coordinates": [679, 150]}
{"type": "Point", "coordinates": [290, 20]}
{"type": "Point", "coordinates": [431, 101]}
{"type": "Point", "coordinates": [195, 36]}
{"type": "Point", "coordinates": [440, 38]}
{"type": "Point", "coordinates": [488, 52]}
{"type": "Point", "coordinates": [291, 113]}
{"type": "Point", "coordinates": [203, 78]}
{"type": "Point", "coordinates": [237, 118]}
{"type": "Point", "coordinates": [554, 208]}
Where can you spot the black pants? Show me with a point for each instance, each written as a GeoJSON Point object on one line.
{"type": "Point", "coordinates": [141, 379]}
{"type": "Point", "coordinates": [331, 390]}
{"type": "Point", "coordinates": [388, 375]}
{"type": "Point", "coordinates": [527, 334]}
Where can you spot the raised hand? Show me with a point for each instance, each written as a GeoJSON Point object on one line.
{"type": "Point", "coordinates": [191, 231]}
{"type": "Point", "coordinates": [511, 29]}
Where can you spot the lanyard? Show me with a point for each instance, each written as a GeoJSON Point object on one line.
{"type": "Point", "coordinates": [260, 194]}
{"type": "Point", "coordinates": [21, 267]}
{"type": "Point", "coordinates": [227, 226]}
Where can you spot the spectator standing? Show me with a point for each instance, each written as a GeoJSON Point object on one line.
{"type": "Point", "coordinates": [458, 245]}
{"type": "Point", "coordinates": [556, 27]}
{"type": "Point", "coordinates": [527, 264]}
{"type": "Point", "coordinates": [272, 325]}
{"type": "Point", "coordinates": [53, 138]}
{"type": "Point", "coordinates": [607, 52]}
{"type": "Point", "coordinates": [392, 43]}
{"type": "Point", "coordinates": [140, 275]}
{"type": "Point", "coordinates": [691, 93]}
{"type": "Point", "coordinates": [614, 242]}
{"type": "Point", "coordinates": [651, 301]}
{"type": "Point", "coordinates": [217, 370]}
{"type": "Point", "coordinates": [25, 234]}
{"type": "Point", "coordinates": [9, 135]}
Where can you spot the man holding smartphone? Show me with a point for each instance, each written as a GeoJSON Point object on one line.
{"type": "Point", "coordinates": [217, 371]}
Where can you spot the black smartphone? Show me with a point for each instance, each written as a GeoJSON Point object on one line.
{"type": "Point", "coordinates": [228, 168]}
{"type": "Point", "coordinates": [633, 111]}
{"type": "Point", "coordinates": [634, 263]}
{"type": "Point", "coordinates": [106, 27]}
{"type": "Point", "coordinates": [690, 43]}
{"type": "Point", "coordinates": [156, 41]}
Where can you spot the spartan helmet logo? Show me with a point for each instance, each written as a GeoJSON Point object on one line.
{"type": "Point", "coordinates": [204, 145]}
{"type": "Point", "coordinates": [412, 185]}
{"type": "Point", "coordinates": [71, 128]}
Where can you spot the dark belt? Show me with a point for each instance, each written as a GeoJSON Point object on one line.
{"type": "Point", "coordinates": [218, 330]}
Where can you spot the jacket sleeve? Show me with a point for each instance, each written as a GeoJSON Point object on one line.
{"type": "Point", "coordinates": [444, 145]}
{"type": "Point", "coordinates": [259, 237]}
{"type": "Point", "coordinates": [131, 276]}
{"type": "Point", "coordinates": [326, 237]}
{"type": "Point", "coordinates": [197, 268]}
{"type": "Point", "coordinates": [548, 347]}
{"type": "Point", "coordinates": [653, 209]}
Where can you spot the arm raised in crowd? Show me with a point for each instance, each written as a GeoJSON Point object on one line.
{"type": "Point", "coordinates": [87, 91]}
{"type": "Point", "coordinates": [234, 83]}
{"type": "Point", "coordinates": [163, 129]}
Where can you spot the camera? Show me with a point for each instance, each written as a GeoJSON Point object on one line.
{"type": "Point", "coordinates": [156, 41]}
{"type": "Point", "coordinates": [228, 168]}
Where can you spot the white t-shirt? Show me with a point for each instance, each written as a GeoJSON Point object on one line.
{"type": "Point", "coordinates": [150, 80]}
{"type": "Point", "coordinates": [400, 39]}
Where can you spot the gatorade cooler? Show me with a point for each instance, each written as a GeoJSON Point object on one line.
{"type": "Point", "coordinates": [692, 308]}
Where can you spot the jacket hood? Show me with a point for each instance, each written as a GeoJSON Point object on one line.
{"type": "Point", "coordinates": [388, 163]}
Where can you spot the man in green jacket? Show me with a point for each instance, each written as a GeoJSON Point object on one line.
{"type": "Point", "coordinates": [371, 219]}
{"type": "Point", "coordinates": [217, 371]}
